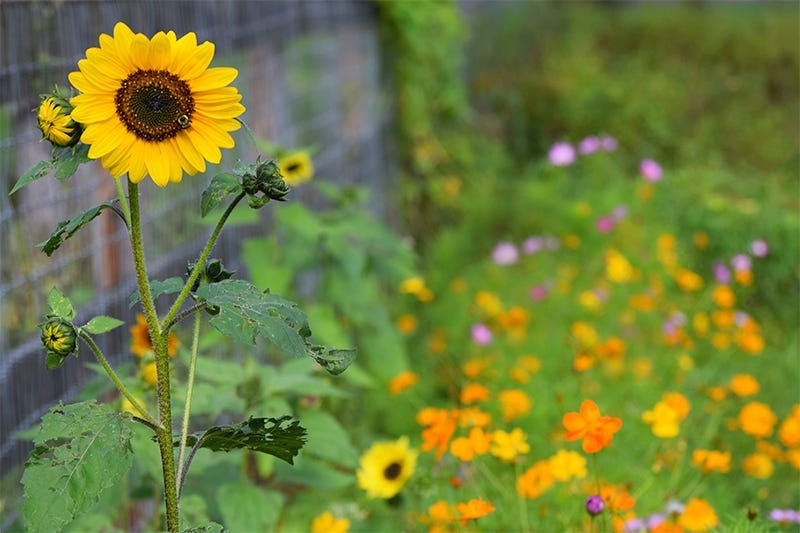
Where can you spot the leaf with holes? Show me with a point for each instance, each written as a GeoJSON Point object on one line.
{"type": "Point", "coordinates": [80, 451]}
{"type": "Point", "coordinates": [158, 288]}
{"type": "Point", "coordinates": [222, 186]}
{"type": "Point", "coordinates": [67, 228]}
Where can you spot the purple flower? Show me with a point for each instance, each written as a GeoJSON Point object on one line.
{"type": "Point", "coordinates": [481, 334]}
{"type": "Point", "coordinates": [650, 170]}
{"type": "Point", "coordinates": [655, 520]}
{"type": "Point", "coordinates": [741, 262]}
{"type": "Point", "coordinates": [608, 143]}
{"type": "Point", "coordinates": [589, 145]}
{"type": "Point", "coordinates": [619, 212]}
{"type": "Point", "coordinates": [505, 254]}
{"type": "Point", "coordinates": [634, 525]}
{"type": "Point", "coordinates": [785, 516]}
{"type": "Point", "coordinates": [538, 293]}
{"type": "Point", "coordinates": [605, 224]}
{"type": "Point", "coordinates": [721, 272]}
{"type": "Point", "coordinates": [561, 154]}
{"type": "Point", "coordinates": [759, 248]}
{"type": "Point", "coordinates": [594, 504]}
{"type": "Point", "coordinates": [531, 245]}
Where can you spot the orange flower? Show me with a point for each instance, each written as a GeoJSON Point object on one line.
{"type": "Point", "coordinates": [402, 381]}
{"type": "Point", "coordinates": [473, 368]}
{"type": "Point", "coordinates": [758, 465]}
{"type": "Point", "coordinates": [465, 448]}
{"type": "Point", "coordinates": [327, 523]}
{"type": "Point", "coordinates": [678, 402]}
{"type": "Point", "coordinates": [617, 498]}
{"type": "Point", "coordinates": [688, 281]}
{"type": "Point", "coordinates": [744, 385]}
{"type": "Point", "coordinates": [697, 516]}
{"type": "Point", "coordinates": [750, 341]}
{"type": "Point", "coordinates": [472, 416]}
{"type": "Point", "coordinates": [406, 324]}
{"type": "Point", "coordinates": [712, 461]}
{"type": "Point", "coordinates": [474, 392]}
{"type": "Point", "coordinates": [723, 297]}
{"type": "Point", "coordinates": [514, 403]}
{"type": "Point", "coordinates": [473, 509]}
{"type": "Point", "coordinates": [595, 430]}
{"type": "Point", "coordinates": [441, 424]}
{"type": "Point", "coordinates": [535, 480]}
{"type": "Point", "coordinates": [757, 419]}
{"type": "Point", "coordinates": [140, 339]}
{"type": "Point", "coordinates": [789, 430]}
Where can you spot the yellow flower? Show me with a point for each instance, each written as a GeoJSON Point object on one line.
{"type": "Point", "coordinates": [149, 374]}
{"type": "Point", "coordinates": [757, 419]}
{"type": "Point", "coordinates": [750, 341]}
{"type": "Point", "coordinates": [618, 269]}
{"type": "Point", "coordinates": [489, 303]}
{"type": "Point", "coordinates": [126, 406]}
{"type": "Point", "coordinates": [700, 323]}
{"type": "Point", "coordinates": [406, 324]}
{"type": "Point", "coordinates": [514, 403]}
{"type": "Point", "coordinates": [724, 297]}
{"type": "Point", "coordinates": [402, 381]}
{"type": "Point", "coordinates": [386, 467]}
{"type": "Point", "coordinates": [412, 285]}
{"type": "Point", "coordinates": [698, 515]}
{"type": "Point", "coordinates": [758, 465]}
{"type": "Point", "coordinates": [700, 240]}
{"type": "Point", "coordinates": [507, 446]}
{"type": "Point", "coordinates": [678, 402]}
{"type": "Point", "coordinates": [663, 420]}
{"type": "Point", "coordinates": [712, 461]}
{"type": "Point", "coordinates": [327, 523]}
{"type": "Point", "coordinates": [688, 281]}
{"type": "Point", "coordinates": [744, 385]}
{"type": "Point", "coordinates": [56, 124]}
{"type": "Point", "coordinates": [152, 106]}
{"type": "Point", "coordinates": [565, 465]}
{"type": "Point", "coordinates": [296, 168]}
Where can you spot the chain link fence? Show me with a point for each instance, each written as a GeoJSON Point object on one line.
{"type": "Point", "coordinates": [311, 76]}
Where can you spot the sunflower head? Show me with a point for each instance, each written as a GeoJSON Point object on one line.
{"type": "Point", "coordinates": [296, 168]}
{"type": "Point", "coordinates": [53, 118]}
{"type": "Point", "coordinates": [152, 106]}
{"type": "Point", "coordinates": [386, 467]}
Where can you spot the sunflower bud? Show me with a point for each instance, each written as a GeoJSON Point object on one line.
{"type": "Point", "coordinates": [213, 272]}
{"type": "Point", "coordinates": [60, 339]}
{"type": "Point", "coordinates": [55, 121]}
{"type": "Point", "coordinates": [270, 181]}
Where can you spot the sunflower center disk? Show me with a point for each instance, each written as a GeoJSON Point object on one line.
{"type": "Point", "coordinates": [154, 105]}
{"type": "Point", "coordinates": [392, 471]}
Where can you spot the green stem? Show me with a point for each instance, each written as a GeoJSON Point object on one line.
{"type": "Point", "coordinates": [604, 514]}
{"type": "Point", "coordinates": [187, 408]}
{"type": "Point", "coordinates": [159, 340]}
{"type": "Point", "coordinates": [185, 313]}
{"type": "Point", "coordinates": [201, 261]}
{"type": "Point", "coordinates": [110, 371]}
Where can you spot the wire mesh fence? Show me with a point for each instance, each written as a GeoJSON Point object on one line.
{"type": "Point", "coordinates": [310, 74]}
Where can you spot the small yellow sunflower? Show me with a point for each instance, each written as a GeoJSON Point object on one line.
{"type": "Point", "coordinates": [152, 106]}
{"type": "Point", "coordinates": [386, 467]}
{"type": "Point", "coordinates": [56, 124]}
{"type": "Point", "coordinates": [296, 168]}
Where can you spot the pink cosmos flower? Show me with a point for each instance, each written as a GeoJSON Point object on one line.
{"type": "Point", "coordinates": [650, 170]}
{"type": "Point", "coordinates": [561, 154]}
{"type": "Point", "coordinates": [759, 248]}
{"type": "Point", "coordinates": [721, 272]}
{"type": "Point", "coordinates": [608, 143]}
{"type": "Point", "coordinates": [589, 145]}
{"type": "Point", "coordinates": [741, 262]}
{"type": "Point", "coordinates": [505, 254]}
{"type": "Point", "coordinates": [538, 293]}
{"type": "Point", "coordinates": [605, 224]}
{"type": "Point", "coordinates": [619, 212]}
{"type": "Point", "coordinates": [531, 245]}
{"type": "Point", "coordinates": [481, 334]}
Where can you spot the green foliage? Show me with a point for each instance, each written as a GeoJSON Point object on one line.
{"type": "Point", "coordinates": [67, 228]}
{"type": "Point", "coordinates": [248, 508]}
{"type": "Point", "coordinates": [65, 163]}
{"type": "Point", "coordinates": [281, 437]}
{"type": "Point", "coordinates": [101, 324]}
{"type": "Point", "coordinates": [80, 450]}
{"type": "Point", "coordinates": [158, 288]}
{"type": "Point", "coordinates": [221, 186]}
{"type": "Point", "coordinates": [60, 305]}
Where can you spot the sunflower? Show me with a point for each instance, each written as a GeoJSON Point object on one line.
{"type": "Point", "coordinates": [386, 467]}
{"type": "Point", "coordinates": [152, 106]}
{"type": "Point", "coordinates": [141, 344]}
{"type": "Point", "coordinates": [296, 168]}
{"type": "Point", "coordinates": [56, 124]}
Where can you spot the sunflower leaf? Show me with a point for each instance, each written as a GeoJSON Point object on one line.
{"type": "Point", "coordinates": [221, 186]}
{"type": "Point", "coordinates": [158, 288]}
{"type": "Point", "coordinates": [102, 324]}
{"type": "Point", "coordinates": [39, 170]}
{"type": "Point", "coordinates": [67, 164]}
{"type": "Point", "coordinates": [282, 437]}
{"type": "Point", "coordinates": [80, 450]}
{"type": "Point", "coordinates": [67, 228]}
{"type": "Point", "coordinates": [60, 305]}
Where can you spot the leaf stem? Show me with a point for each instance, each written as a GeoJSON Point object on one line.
{"type": "Point", "coordinates": [189, 389]}
{"type": "Point", "coordinates": [123, 202]}
{"type": "Point", "coordinates": [159, 340]}
{"type": "Point", "coordinates": [110, 371]}
{"type": "Point", "coordinates": [201, 261]}
{"type": "Point", "coordinates": [185, 313]}
{"type": "Point", "coordinates": [189, 461]}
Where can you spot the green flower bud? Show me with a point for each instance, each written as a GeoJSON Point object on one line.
{"type": "Point", "coordinates": [263, 182]}
{"type": "Point", "coordinates": [54, 119]}
{"type": "Point", "coordinates": [213, 272]}
{"type": "Point", "coordinates": [59, 337]}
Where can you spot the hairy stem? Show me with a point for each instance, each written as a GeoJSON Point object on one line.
{"type": "Point", "coordinates": [201, 261]}
{"type": "Point", "coordinates": [185, 313]}
{"type": "Point", "coordinates": [159, 340]}
{"type": "Point", "coordinates": [151, 422]}
{"type": "Point", "coordinates": [187, 407]}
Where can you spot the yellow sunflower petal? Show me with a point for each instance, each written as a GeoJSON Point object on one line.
{"type": "Point", "coordinates": [99, 81]}
{"type": "Point", "coordinates": [104, 140]}
{"type": "Point", "coordinates": [196, 62]}
{"type": "Point", "coordinates": [160, 55]}
{"type": "Point", "coordinates": [138, 168]}
{"type": "Point", "coordinates": [225, 111]}
{"type": "Point", "coordinates": [95, 110]}
{"type": "Point", "coordinates": [213, 78]}
{"type": "Point", "coordinates": [192, 155]}
{"type": "Point", "coordinates": [213, 131]}
{"type": "Point", "coordinates": [184, 47]}
{"type": "Point", "coordinates": [207, 148]}
{"type": "Point", "coordinates": [107, 64]}
{"type": "Point", "coordinates": [157, 165]}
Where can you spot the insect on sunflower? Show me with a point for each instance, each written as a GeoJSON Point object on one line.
{"type": "Point", "coordinates": [153, 106]}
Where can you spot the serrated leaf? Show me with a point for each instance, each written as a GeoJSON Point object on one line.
{"type": "Point", "coordinates": [80, 450]}
{"type": "Point", "coordinates": [67, 164]}
{"type": "Point", "coordinates": [273, 436]}
{"type": "Point", "coordinates": [221, 186]}
{"type": "Point", "coordinates": [60, 305]}
{"type": "Point", "coordinates": [39, 170]}
{"type": "Point", "coordinates": [212, 527]}
{"type": "Point", "coordinates": [67, 228]}
{"type": "Point", "coordinates": [332, 360]}
{"type": "Point", "coordinates": [102, 324]}
{"type": "Point", "coordinates": [159, 288]}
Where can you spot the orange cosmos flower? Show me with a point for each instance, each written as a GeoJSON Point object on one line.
{"type": "Point", "coordinates": [595, 430]}
{"type": "Point", "coordinates": [757, 419]}
{"type": "Point", "coordinates": [744, 385]}
{"type": "Point", "coordinates": [474, 392]}
{"type": "Point", "coordinates": [535, 480]}
{"type": "Point", "coordinates": [465, 448]}
{"type": "Point", "coordinates": [514, 403]}
{"type": "Point", "coordinates": [697, 516]}
{"type": "Point", "coordinates": [789, 430]}
{"type": "Point", "coordinates": [473, 509]}
{"type": "Point", "coordinates": [402, 381]}
{"type": "Point", "coordinates": [712, 461]}
{"type": "Point", "coordinates": [140, 339]}
{"type": "Point", "coordinates": [441, 424]}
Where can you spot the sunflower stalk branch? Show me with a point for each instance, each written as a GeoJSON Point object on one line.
{"type": "Point", "coordinates": [187, 408]}
{"type": "Point", "coordinates": [201, 261]}
{"type": "Point", "coordinates": [185, 314]}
